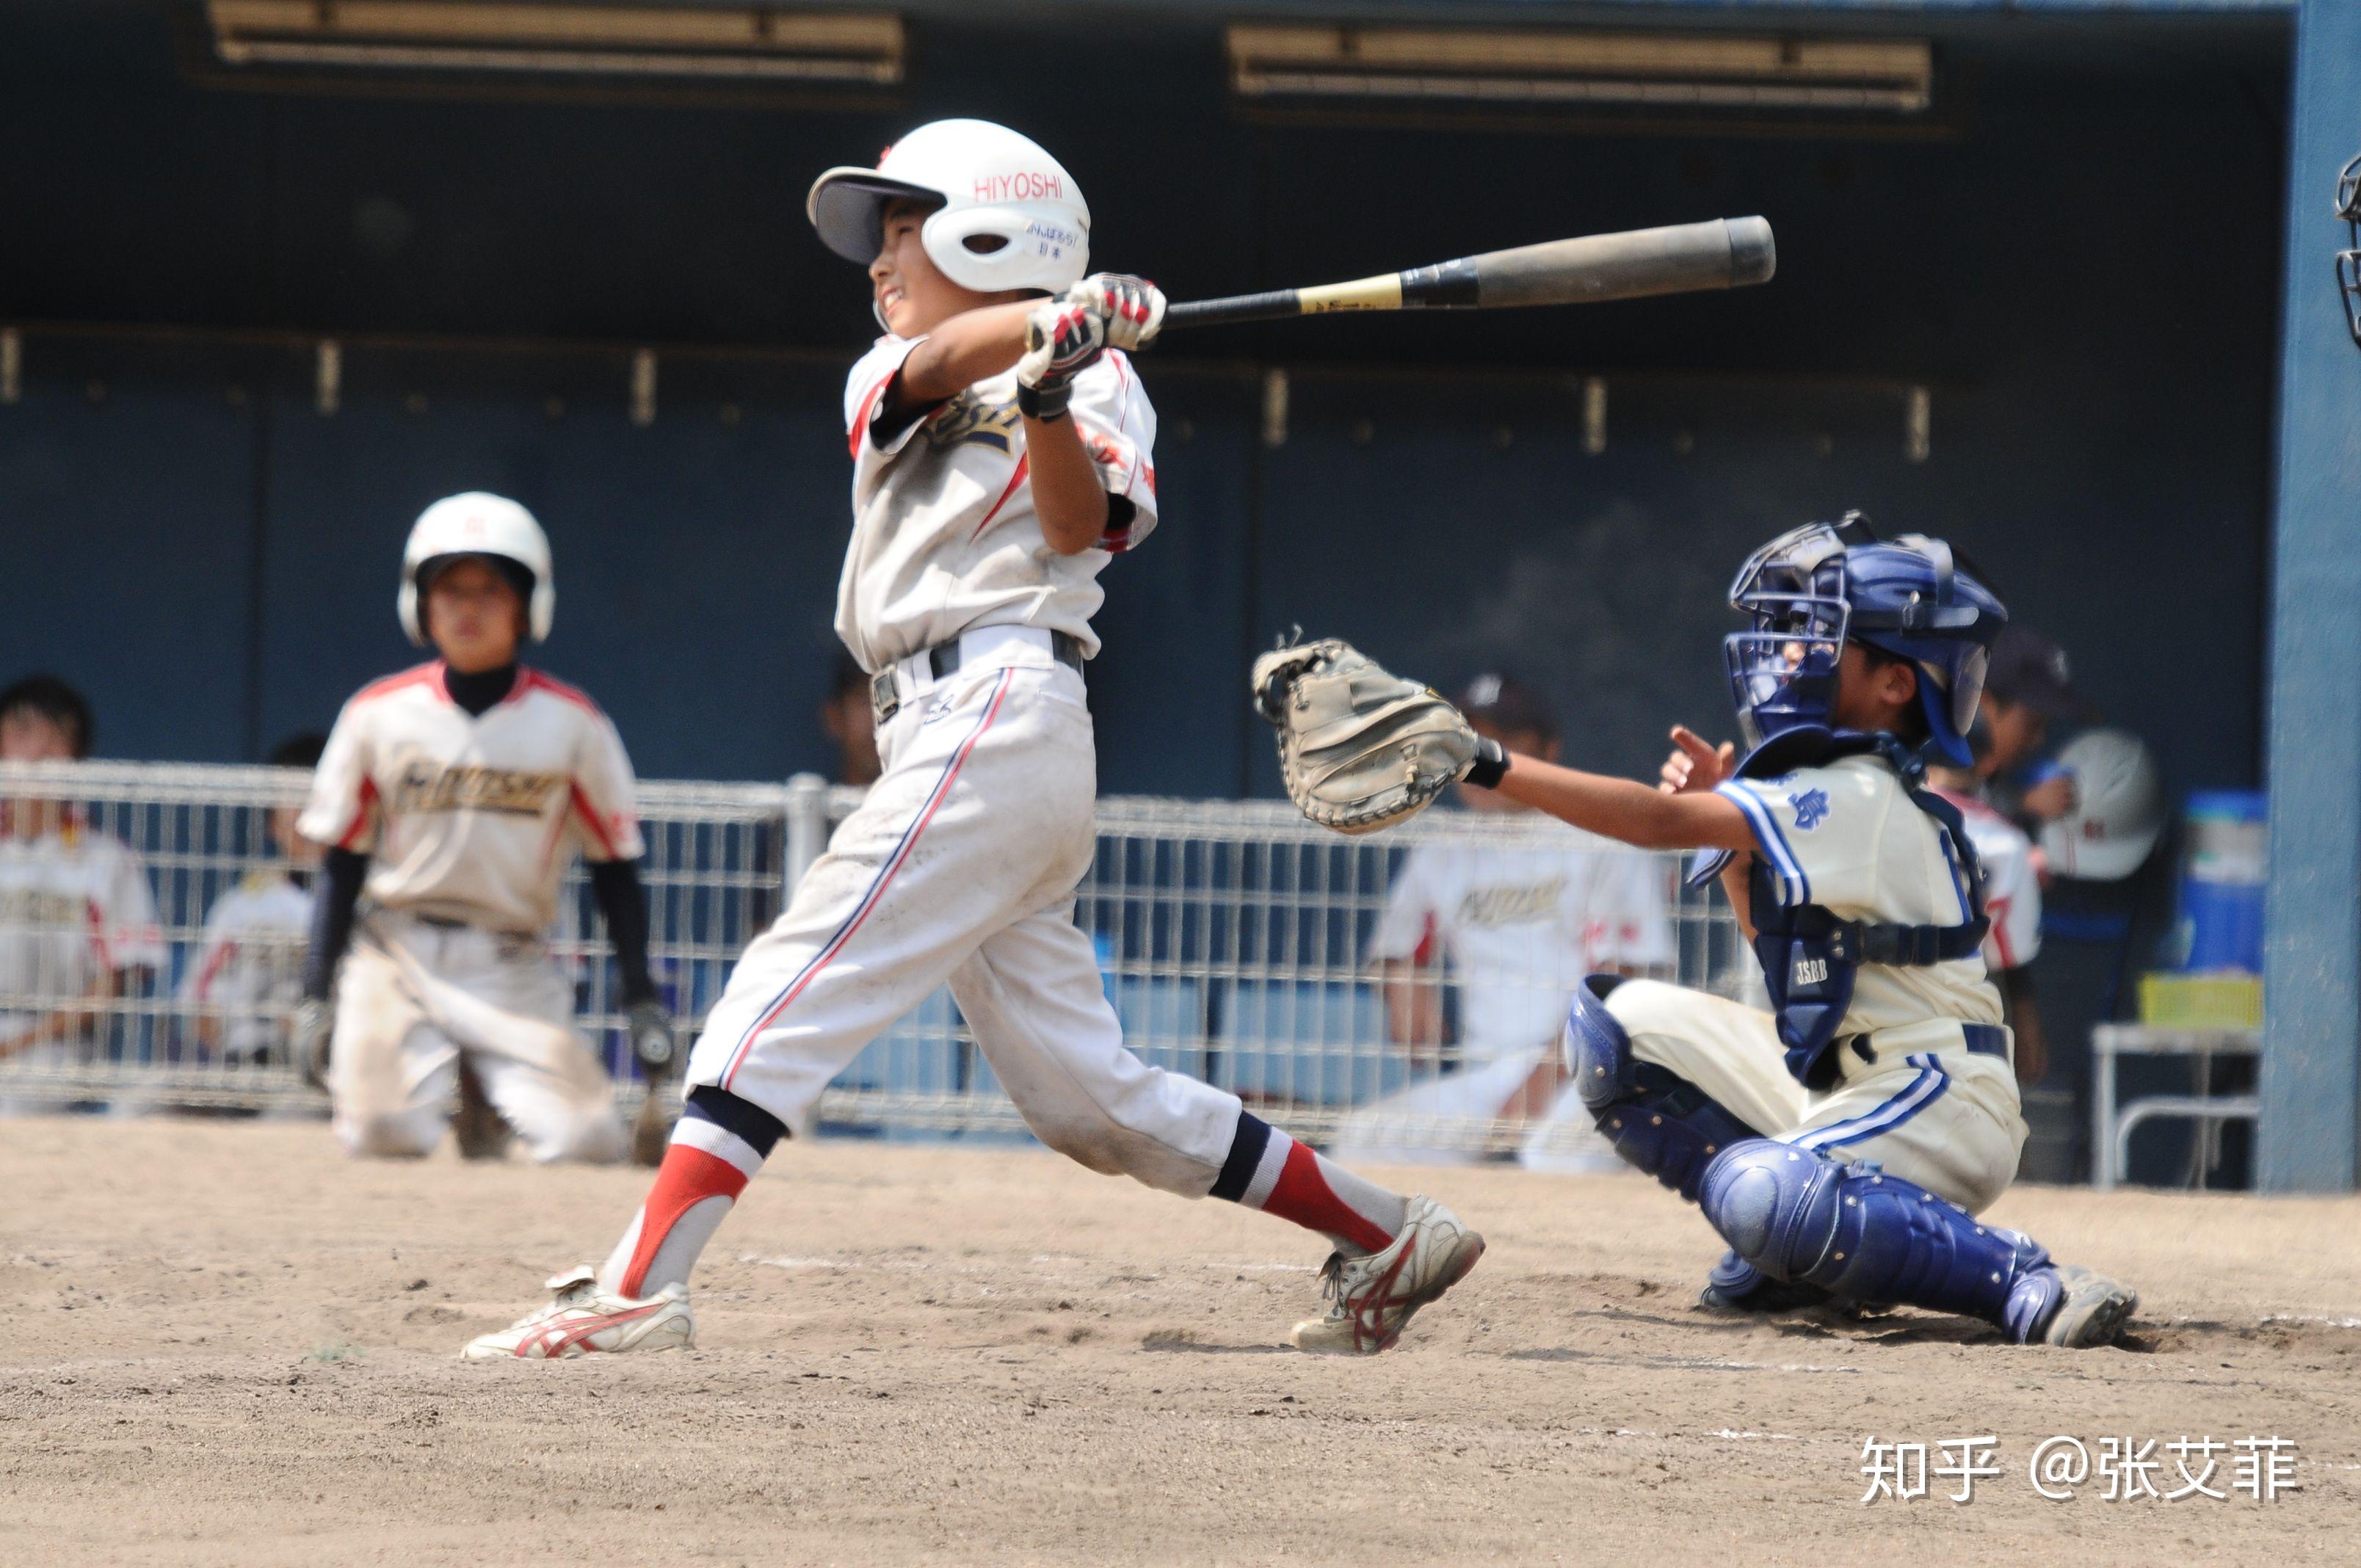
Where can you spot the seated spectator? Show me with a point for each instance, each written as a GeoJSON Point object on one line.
{"type": "Point", "coordinates": [851, 720]}
{"type": "Point", "coordinates": [1517, 928]}
{"type": "Point", "coordinates": [248, 975]}
{"type": "Point", "coordinates": [78, 920]}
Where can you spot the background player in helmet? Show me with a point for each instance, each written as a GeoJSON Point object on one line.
{"type": "Point", "coordinates": [452, 794]}
{"type": "Point", "coordinates": [1842, 1143]}
{"type": "Point", "coordinates": [1002, 450]}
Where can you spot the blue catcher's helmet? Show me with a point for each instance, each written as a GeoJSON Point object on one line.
{"type": "Point", "coordinates": [1814, 587]}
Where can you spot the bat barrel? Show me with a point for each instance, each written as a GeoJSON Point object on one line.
{"type": "Point", "coordinates": [1721, 253]}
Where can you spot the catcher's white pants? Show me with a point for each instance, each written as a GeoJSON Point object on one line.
{"type": "Point", "coordinates": [961, 865]}
{"type": "Point", "coordinates": [1927, 1109]}
{"type": "Point", "coordinates": [1441, 1121]}
{"type": "Point", "coordinates": [412, 997]}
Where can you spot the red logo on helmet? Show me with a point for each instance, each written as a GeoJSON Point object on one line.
{"type": "Point", "coordinates": [1025, 185]}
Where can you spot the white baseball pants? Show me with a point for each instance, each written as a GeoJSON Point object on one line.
{"type": "Point", "coordinates": [410, 997]}
{"type": "Point", "coordinates": [1927, 1109]}
{"type": "Point", "coordinates": [961, 865]}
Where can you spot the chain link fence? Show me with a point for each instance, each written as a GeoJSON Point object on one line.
{"type": "Point", "coordinates": [1396, 994]}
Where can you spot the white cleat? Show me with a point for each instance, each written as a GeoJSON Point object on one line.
{"type": "Point", "coordinates": [1372, 1296]}
{"type": "Point", "coordinates": [587, 1321]}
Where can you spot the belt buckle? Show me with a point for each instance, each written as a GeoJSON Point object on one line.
{"type": "Point", "coordinates": [882, 695]}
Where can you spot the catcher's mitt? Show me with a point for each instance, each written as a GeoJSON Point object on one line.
{"type": "Point", "coordinates": [1359, 748]}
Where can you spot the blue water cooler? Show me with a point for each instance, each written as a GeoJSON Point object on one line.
{"type": "Point", "coordinates": [2224, 861]}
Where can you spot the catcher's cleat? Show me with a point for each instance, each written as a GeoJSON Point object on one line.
{"type": "Point", "coordinates": [480, 1132]}
{"type": "Point", "coordinates": [1739, 1289]}
{"type": "Point", "coordinates": [587, 1321]}
{"type": "Point", "coordinates": [2071, 1307]}
{"type": "Point", "coordinates": [1372, 1296]}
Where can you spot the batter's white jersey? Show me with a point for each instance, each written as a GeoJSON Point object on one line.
{"type": "Point", "coordinates": [471, 817]}
{"type": "Point", "coordinates": [944, 534]}
{"type": "Point", "coordinates": [1847, 837]}
{"type": "Point", "coordinates": [2012, 884]}
{"type": "Point", "coordinates": [74, 905]}
{"type": "Point", "coordinates": [1522, 928]}
{"type": "Point", "coordinates": [250, 961]}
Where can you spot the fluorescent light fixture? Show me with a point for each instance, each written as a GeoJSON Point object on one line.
{"type": "Point", "coordinates": [1505, 68]}
{"type": "Point", "coordinates": [744, 43]}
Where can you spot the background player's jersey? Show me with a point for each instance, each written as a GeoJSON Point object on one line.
{"type": "Point", "coordinates": [944, 534]}
{"type": "Point", "coordinates": [74, 904]}
{"type": "Point", "coordinates": [250, 961]}
{"type": "Point", "coordinates": [2012, 884]}
{"type": "Point", "coordinates": [1522, 928]}
{"type": "Point", "coordinates": [470, 817]}
{"type": "Point", "coordinates": [1848, 838]}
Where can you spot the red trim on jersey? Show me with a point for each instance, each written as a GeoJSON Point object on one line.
{"type": "Point", "coordinates": [1427, 938]}
{"type": "Point", "coordinates": [97, 919]}
{"type": "Point", "coordinates": [1997, 908]}
{"type": "Point", "coordinates": [1024, 463]}
{"type": "Point", "coordinates": [868, 408]}
{"type": "Point", "coordinates": [352, 835]}
{"type": "Point", "coordinates": [427, 675]}
{"type": "Point", "coordinates": [532, 680]}
{"type": "Point", "coordinates": [589, 814]}
{"type": "Point", "coordinates": [215, 962]}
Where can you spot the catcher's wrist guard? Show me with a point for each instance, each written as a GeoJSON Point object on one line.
{"type": "Point", "coordinates": [1490, 766]}
{"type": "Point", "coordinates": [1044, 404]}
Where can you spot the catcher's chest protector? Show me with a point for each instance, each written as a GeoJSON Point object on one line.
{"type": "Point", "coordinates": [1810, 955]}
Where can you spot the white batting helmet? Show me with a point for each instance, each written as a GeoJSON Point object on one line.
{"type": "Point", "coordinates": [476, 523]}
{"type": "Point", "coordinates": [1009, 214]}
{"type": "Point", "coordinates": [2119, 807]}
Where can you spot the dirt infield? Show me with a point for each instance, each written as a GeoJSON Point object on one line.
{"type": "Point", "coordinates": [223, 1343]}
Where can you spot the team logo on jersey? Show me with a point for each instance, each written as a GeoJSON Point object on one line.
{"type": "Point", "coordinates": [968, 418]}
{"type": "Point", "coordinates": [1486, 908]}
{"type": "Point", "coordinates": [1811, 808]}
{"type": "Point", "coordinates": [425, 787]}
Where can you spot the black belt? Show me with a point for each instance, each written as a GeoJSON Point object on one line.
{"type": "Point", "coordinates": [885, 692]}
{"type": "Point", "coordinates": [1982, 1040]}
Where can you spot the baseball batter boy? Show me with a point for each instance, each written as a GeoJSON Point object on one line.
{"type": "Point", "coordinates": [453, 794]}
{"type": "Point", "coordinates": [1002, 451]}
{"type": "Point", "coordinates": [1843, 1142]}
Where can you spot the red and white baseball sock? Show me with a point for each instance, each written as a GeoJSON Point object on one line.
{"type": "Point", "coordinates": [718, 1144]}
{"type": "Point", "coordinates": [1268, 1170]}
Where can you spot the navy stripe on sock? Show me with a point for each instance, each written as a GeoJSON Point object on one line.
{"type": "Point", "coordinates": [1246, 1148]}
{"type": "Point", "coordinates": [758, 1127]}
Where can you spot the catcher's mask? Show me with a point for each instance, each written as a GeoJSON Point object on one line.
{"type": "Point", "coordinates": [1814, 587]}
{"type": "Point", "coordinates": [2348, 261]}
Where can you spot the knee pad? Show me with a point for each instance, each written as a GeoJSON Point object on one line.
{"type": "Point", "coordinates": [1852, 1230]}
{"type": "Point", "coordinates": [1658, 1121]}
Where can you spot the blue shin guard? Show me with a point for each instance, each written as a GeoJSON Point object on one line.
{"type": "Point", "coordinates": [1858, 1234]}
{"type": "Point", "coordinates": [1657, 1119]}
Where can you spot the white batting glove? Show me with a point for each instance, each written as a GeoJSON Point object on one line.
{"type": "Point", "coordinates": [1134, 307]}
{"type": "Point", "coordinates": [1062, 337]}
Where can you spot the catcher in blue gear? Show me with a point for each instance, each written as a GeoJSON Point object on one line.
{"type": "Point", "coordinates": [1842, 1142]}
